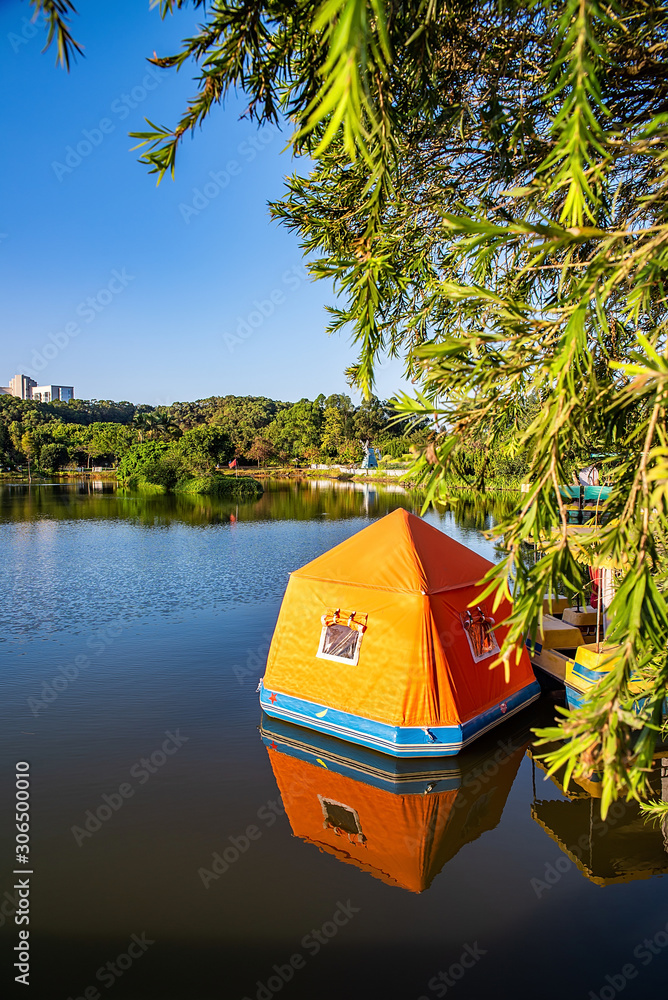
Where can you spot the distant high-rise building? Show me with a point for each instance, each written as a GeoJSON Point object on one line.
{"type": "Point", "coordinates": [47, 393]}
{"type": "Point", "coordinates": [24, 387]}
{"type": "Point", "coordinates": [21, 386]}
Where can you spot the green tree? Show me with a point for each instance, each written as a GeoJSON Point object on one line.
{"type": "Point", "coordinates": [15, 433]}
{"type": "Point", "coordinates": [147, 424]}
{"type": "Point", "coordinates": [109, 440]}
{"type": "Point", "coordinates": [29, 449]}
{"type": "Point", "coordinates": [52, 456]}
{"type": "Point", "coordinates": [371, 417]}
{"type": "Point", "coordinates": [337, 424]}
{"type": "Point", "coordinates": [165, 425]}
{"type": "Point", "coordinates": [203, 448]}
{"type": "Point", "coordinates": [140, 460]}
{"type": "Point", "coordinates": [297, 429]}
{"type": "Point", "coordinates": [88, 443]}
{"type": "Point", "coordinates": [243, 418]}
{"type": "Point", "coordinates": [168, 469]}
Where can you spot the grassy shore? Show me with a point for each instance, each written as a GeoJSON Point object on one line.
{"type": "Point", "coordinates": [380, 476]}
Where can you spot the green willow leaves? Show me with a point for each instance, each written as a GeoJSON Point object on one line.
{"type": "Point", "coordinates": [57, 14]}
{"type": "Point", "coordinates": [569, 309]}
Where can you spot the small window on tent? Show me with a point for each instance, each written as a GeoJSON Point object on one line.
{"type": "Point", "coordinates": [341, 636]}
{"type": "Point", "coordinates": [479, 630]}
{"type": "Point", "coordinates": [341, 818]}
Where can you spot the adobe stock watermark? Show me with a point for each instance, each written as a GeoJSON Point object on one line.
{"type": "Point", "coordinates": [444, 981]}
{"type": "Point", "coordinates": [555, 871]}
{"type": "Point", "coordinates": [312, 943]}
{"type": "Point", "coordinates": [256, 661]}
{"type": "Point", "coordinates": [92, 138]}
{"type": "Point", "coordinates": [142, 771]}
{"type": "Point", "coordinates": [219, 180]}
{"type": "Point", "coordinates": [475, 783]}
{"type": "Point", "coordinates": [70, 672]}
{"type": "Point", "coordinates": [110, 972]}
{"type": "Point", "coordinates": [87, 310]}
{"type": "Point", "coordinates": [236, 846]}
{"type": "Point", "coordinates": [265, 307]}
{"type": "Point", "coordinates": [8, 906]}
{"type": "Point", "coordinates": [645, 953]}
{"type": "Point", "coordinates": [30, 28]}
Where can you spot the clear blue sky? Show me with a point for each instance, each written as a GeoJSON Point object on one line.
{"type": "Point", "coordinates": [131, 291]}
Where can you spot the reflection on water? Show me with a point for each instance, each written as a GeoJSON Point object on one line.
{"type": "Point", "coordinates": [299, 500]}
{"type": "Point", "coordinates": [132, 555]}
{"type": "Point", "coordinates": [401, 821]}
{"type": "Point", "coordinates": [622, 847]}
{"type": "Point", "coordinates": [171, 602]}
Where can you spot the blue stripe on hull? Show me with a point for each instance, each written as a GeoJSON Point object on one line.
{"type": "Point", "coordinates": [574, 698]}
{"type": "Point", "coordinates": [347, 767]}
{"type": "Point", "coordinates": [400, 741]}
{"type": "Point", "coordinates": [585, 674]}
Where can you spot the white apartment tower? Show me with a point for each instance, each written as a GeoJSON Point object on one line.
{"type": "Point", "coordinates": [24, 387]}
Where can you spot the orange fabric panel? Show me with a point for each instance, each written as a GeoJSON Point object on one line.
{"type": "Point", "coordinates": [407, 837]}
{"type": "Point", "coordinates": [395, 680]}
{"type": "Point", "coordinates": [474, 686]}
{"type": "Point", "coordinates": [415, 665]}
{"type": "Point", "coordinates": [400, 552]}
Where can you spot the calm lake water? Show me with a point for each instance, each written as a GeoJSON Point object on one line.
{"type": "Point", "coordinates": [133, 632]}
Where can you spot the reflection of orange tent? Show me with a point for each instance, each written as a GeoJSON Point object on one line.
{"type": "Point", "coordinates": [379, 641]}
{"type": "Point", "coordinates": [402, 839]}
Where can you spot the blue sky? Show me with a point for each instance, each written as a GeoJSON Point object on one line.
{"type": "Point", "coordinates": [131, 291]}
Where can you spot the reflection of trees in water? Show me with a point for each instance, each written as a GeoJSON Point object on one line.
{"type": "Point", "coordinates": [294, 500]}
{"type": "Point", "coordinates": [84, 501]}
{"type": "Point", "coordinates": [305, 499]}
{"type": "Point", "coordinates": [479, 511]}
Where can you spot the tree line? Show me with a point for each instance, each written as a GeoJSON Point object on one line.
{"type": "Point", "coordinates": [204, 433]}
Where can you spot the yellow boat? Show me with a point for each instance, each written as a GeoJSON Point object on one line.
{"type": "Point", "coordinates": [561, 653]}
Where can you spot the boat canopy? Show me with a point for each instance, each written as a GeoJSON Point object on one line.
{"type": "Point", "coordinates": [389, 626]}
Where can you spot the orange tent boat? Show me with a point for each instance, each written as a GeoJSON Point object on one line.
{"type": "Point", "coordinates": [381, 642]}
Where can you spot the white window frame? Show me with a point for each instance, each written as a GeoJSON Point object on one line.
{"type": "Point", "coordinates": [324, 802]}
{"type": "Point", "coordinates": [339, 659]}
{"type": "Point", "coordinates": [483, 656]}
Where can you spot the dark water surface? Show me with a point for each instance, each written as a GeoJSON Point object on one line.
{"type": "Point", "coordinates": [133, 631]}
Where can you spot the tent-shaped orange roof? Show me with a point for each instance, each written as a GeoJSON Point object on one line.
{"type": "Point", "coordinates": [400, 553]}
{"type": "Point", "coordinates": [407, 589]}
